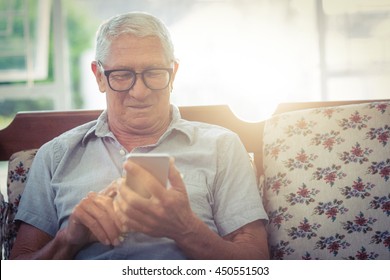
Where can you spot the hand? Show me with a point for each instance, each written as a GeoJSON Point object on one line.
{"type": "Point", "coordinates": [166, 213]}
{"type": "Point", "coordinates": [93, 219]}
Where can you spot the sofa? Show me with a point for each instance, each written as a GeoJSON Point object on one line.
{"type": "Point", "coordinates": [326, 182]}
{"type": "Point", "coordinates": [323, 170]}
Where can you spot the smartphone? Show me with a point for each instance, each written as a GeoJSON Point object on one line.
{"type": "Point", "coordinates": [155, 163]}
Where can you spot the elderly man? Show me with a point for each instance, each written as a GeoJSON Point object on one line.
{"type": "Point", "coordinates": [76, 206]}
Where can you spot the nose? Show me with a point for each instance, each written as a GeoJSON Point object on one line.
{"type": "Point", "coordinates": [139, 90]}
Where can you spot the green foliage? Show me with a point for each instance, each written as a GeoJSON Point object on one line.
{"type": "Point", "coordinates": [5, 121]}
{"type": "Point", "coordinates": [81, 30]}
{"type": "Point", "coordinates": [13, 24]}
{"type": "Point", "coordinates": [9, 107]}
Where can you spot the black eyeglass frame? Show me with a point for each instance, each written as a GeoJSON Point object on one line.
{"type": "Point", "coordinates": [107, 73]}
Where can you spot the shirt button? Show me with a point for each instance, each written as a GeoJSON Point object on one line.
{"type": "Point", "coordinates": [122, 152]}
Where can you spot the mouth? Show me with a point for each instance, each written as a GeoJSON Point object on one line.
{"type": "Point", "coordinates": [139, 106]}
{"type": "Point", "coordinates": [140, 109]}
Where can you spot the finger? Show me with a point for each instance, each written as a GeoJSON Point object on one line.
{"type": "Point", "coordinates": [133, 211]}
{"type": "Point", "coordinates": [140, 218]}
{"type": "Point", "coordinates": [126, 196]}
{"type": "Point", "coordinates": [108, 221]}
{"type": "Point", "coordinates": [96, 218]}
{"type": "Point", "coordinates": [111, 190]}
{"type": "Point", "coordinates": [81, 216]}
{"type": "Point", "coordinates": [137, 222]}
{"type": "Point", "coordinates": [126, 205]}
{"type": "Point", "coordinates": [175, 177]}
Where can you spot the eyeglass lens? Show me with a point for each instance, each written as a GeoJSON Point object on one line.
{"type": "Point", "coordinates": [121, 80]}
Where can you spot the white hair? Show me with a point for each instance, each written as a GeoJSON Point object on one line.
{"type": "Point", "coordinates": [134, 23]}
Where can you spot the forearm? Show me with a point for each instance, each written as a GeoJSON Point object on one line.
{"type": "Point", "coordinates": [56, 249]}
{"type": "Point", "coordinates": [203, 243]}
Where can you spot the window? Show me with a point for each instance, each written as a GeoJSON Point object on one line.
{"type": "Point", "coordinates": [24, 41]}
{"type": "Point", "coordinates": [33, 56]}
{"type": "Point", "coordinates": [357, 49]}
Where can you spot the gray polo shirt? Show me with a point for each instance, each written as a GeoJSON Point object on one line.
{"type": "Point", "coordinates": [217, 172]}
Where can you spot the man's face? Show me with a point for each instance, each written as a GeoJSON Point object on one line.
{"type": "Point", "coordinates": [140, 110]}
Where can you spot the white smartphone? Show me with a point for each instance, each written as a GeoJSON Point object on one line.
{"type": "Point", "coordinates": [155, 163]}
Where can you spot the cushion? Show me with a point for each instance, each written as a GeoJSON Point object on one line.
{"type": "Point", "coordinates": [327, 182]}
{"type": "Point", "coordinates": [18, 168]}
{"type": "Point", "coordinates": [3, 209]}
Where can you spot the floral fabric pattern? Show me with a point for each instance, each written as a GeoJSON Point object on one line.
{"type": "Point", "coordinates": [327, 182]}
{"type": "Point", "coordinates": [18, 168]}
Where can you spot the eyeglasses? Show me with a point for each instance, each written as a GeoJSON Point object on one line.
{"type": "Point", "coordinates": [124, 80]}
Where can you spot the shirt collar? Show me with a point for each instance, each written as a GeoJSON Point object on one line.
{"type": "Point", "coordinates": [101, 128]}
{"type": "Point", "coordinates": [177, 124]}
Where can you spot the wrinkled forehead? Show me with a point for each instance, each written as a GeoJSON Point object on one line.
{"type": "Point", "coordinates": [125, 45]}
{"type": "Point", "coordinates": [136, 51]}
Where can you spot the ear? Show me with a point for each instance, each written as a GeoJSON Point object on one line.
{"type": "Point", "coordinates": [100, 78]}
{"type": "Point", "coordinates": [175, 68]}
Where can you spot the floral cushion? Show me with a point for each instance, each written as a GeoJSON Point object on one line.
{"type": "Point", "coordinates": [18, 168]}
{"type": "Point", "coordinates": [3, 209]}
{"type": "Point", "coordinates": [327, 182]}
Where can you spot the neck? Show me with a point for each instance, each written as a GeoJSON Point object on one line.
{"type": "Point", "coordinates": [131, 138]}
{"type": "Point", "coordinates": [131, 141]}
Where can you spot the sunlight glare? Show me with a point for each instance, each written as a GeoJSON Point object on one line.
{"type": "Point", "coordinates": [240, 56]}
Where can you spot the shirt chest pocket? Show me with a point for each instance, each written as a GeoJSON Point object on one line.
{"type": "Point", "coordinates": [200, 194]}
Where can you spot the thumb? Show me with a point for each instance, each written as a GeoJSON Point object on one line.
{"type": "Point", "coordinates": [175, 177]}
